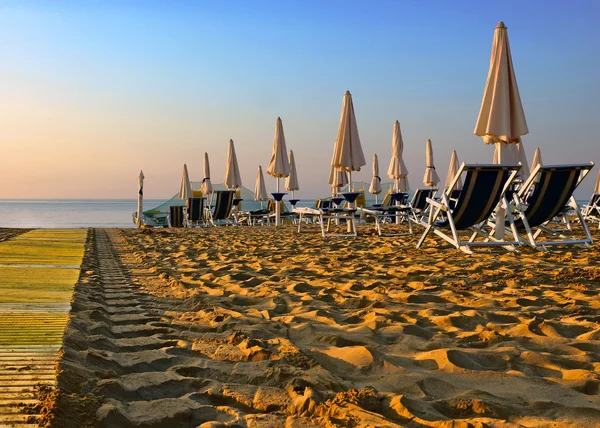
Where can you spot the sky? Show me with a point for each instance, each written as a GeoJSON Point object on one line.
{"type": "Point", "coordinates": [92, 92]}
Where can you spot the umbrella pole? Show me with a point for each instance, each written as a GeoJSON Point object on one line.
{"type": "Point", "coordinates": [277, 208]}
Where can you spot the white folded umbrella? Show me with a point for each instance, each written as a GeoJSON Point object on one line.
{"type": "Point", "coordinates": [260, 190]}
{"type": "Point", "coordinates": [397, 170]}
{"type": "Point", "coordinates": [452, 171]}
{"type": "Point", "coordinates": [206, 187]}
{"type": "Point", "coordinates": [291, 182]}
{"type": "Point", "coordinates": [185, 190]}
{"type": "Point", "coordinates": [233, 178]}
{"type": "Point", "coordinates": [140, 208]}
{"type": "Point", "coordinates": [431, 177]}
{"type": "Point", "coordinates": [375, 187]}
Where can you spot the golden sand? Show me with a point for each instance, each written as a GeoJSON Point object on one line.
{"type": "Point", "coordinates": [267, 327]}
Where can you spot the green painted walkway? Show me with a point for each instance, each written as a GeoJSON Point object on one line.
{"type": "Point", "coordinates": [38, 270]}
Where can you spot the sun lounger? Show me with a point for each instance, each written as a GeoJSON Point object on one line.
{"type": "Point", "coordinates": [194, 212]}
{"type": "Point", "coordinates": [543, 197]}
{"type": "Point", "coordinates": [326, 212]}
{"type": "Point", "coordinates": [387, 212]}
{"type": "Point", "coordinates": [221, 213]}
{"type": "Point", "coordinates": [483, 190]}
{"type": "Point", "coordinates": [284, 214]}
{"type": "Point", "coordinates": [252, 217]}
{"type": "Point", "coordinates": [175, 218]}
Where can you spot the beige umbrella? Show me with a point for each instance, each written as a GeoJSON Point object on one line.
{"type": "Point", "coordinates": [397, 170]}
{"type": "Point", "coordinates": [279, 166]}
{"type": "Point", "coordinates": [260, 190]}
{"type": "Point", "coordinates": [431, 177]}
{"type": "Point", "coordinates": [206, 187]}
{"type": "Point", "coordinates": [452, 171]}
{"type": "Point", "coordinates": [347, 150]}
{"type": "Point", "coordinates": [501, 118]}
{"type": "Point", "coordinates": [233, 179]}
{"type": "Point", "coordinates": [291, 182]}
{"type": "Point", "coordinates": [375, 187]}
{"type": "Point", "coordinates": [140, 209]}
{"type": "Point", "coordinates": [185, 190]}
{"type": "Point", "coordinates": [597, 186]}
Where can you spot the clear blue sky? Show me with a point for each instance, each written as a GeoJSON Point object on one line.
{"type": "Point", "coordinates": [93, 91]}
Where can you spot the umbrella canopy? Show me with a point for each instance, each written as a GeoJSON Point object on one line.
{"type": "Point", "coordinates": [279, 165]}
{"type": "Point", "coordinates": [375, 187]}
{"type": "Point", "coordinates": [501, 117]}
{"type": "Point", "coordinates": [452, 170]}
{"type": "Point", "coordinates": [431, 177]}
{"type": "Point", "coordinates": [347, 150]}
{"type": "Point", "coordinates": [291, 182]}
{"type": "Point", "coordinates": [232, 170]}
{"type": "Point", "coordinates": [185, 190]}
{"type": "Point", "coordinates": [260, 190]}
{"type": "Point", "coordinates": [206, 187]}
{"type": "Point", "coordinates": [537, 159]}
{"type": "Point", "coordinates": [397, 169]}
{"type": "Point", "coordinates": [597, 187]}
{"type": "Point", "coordinates": [140, 208]}
{"type": "Point", "coordinates": [337, 178]}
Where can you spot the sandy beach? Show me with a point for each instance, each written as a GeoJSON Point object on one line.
{"type": "Point", "coordinates": [265, 327]}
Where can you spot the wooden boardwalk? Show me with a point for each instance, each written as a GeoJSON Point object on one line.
{"type": "Point", "coordinates": [34, 307]}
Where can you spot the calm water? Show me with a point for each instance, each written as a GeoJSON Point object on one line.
{"type": "Point", "coordinates": [69, 212]}
{"type": "Point", "coordinates": [78, 212]}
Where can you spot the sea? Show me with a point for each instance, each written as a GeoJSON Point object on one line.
{"type": "Point", "coordinates": [76, 213]}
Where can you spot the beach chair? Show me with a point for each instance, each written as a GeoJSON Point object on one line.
{"type": "Point", "coordinates": [325, 211]}
{"type": "Point", "coordinates": [483, 190]}
{"type": "Point", "coordinates": [221, 209]}
{"type": "Point", "coordinates": [543, 197]}
{"type": "Point", "coordinates": [251, 218]}
{"type": "Point", "coordinates": [175, 218]}
{"type": "Point", "coordinates": [194, 212]}
{"type": "Point", "coordinates": [591, 211]}
{"type": "Point", "coordinates": [418, 204]}
{"type": "Point", "coordinates": [284, 214]}
{"type": "Point", "coordinates": [387, 212]}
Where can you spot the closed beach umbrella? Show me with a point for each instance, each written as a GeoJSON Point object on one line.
{"type": "Point", "coordinates": [206, 184]}
{"type": "Point", "coordinates": [347, 150]}
{"type": "Point", "coordinates": [397, 170]}
{"type": "Point", "coordinates": [291, 182]}
{"type": "Point", "coordinates": [431, 177]}
{"type": "Point", "coordinates": [452, 171]}
{"type": "Point", "coordinates": [597, 187]}
{"type": "Point", "coordinates": [233, 178]}
{"type": "Point", "coordinates": [279, 165]}
{"type": "Point", "coordinates": [260, 191]}
{"type": "Point", "coordinates": [185, 190]}
{"type": "Point", "coordinates": [501, 118]}
{"type": "Point", "coordinates": [140, 209]}
{"type": "Point", "coordinates": [375, 187]}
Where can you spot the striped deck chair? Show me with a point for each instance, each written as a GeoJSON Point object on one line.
{"type": "Point", "coordinates": [591, 211]}
{"type": "Point", "coordinates": [221, 209]}
{"type": "Point", "coordinates": [543, 197]}
{"type": "Point", "coordinates": [175, 218]}
{"type": "Point", "coordinates": [483, 190]}
{"type": "Point", "coordinates": [194, 212]}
